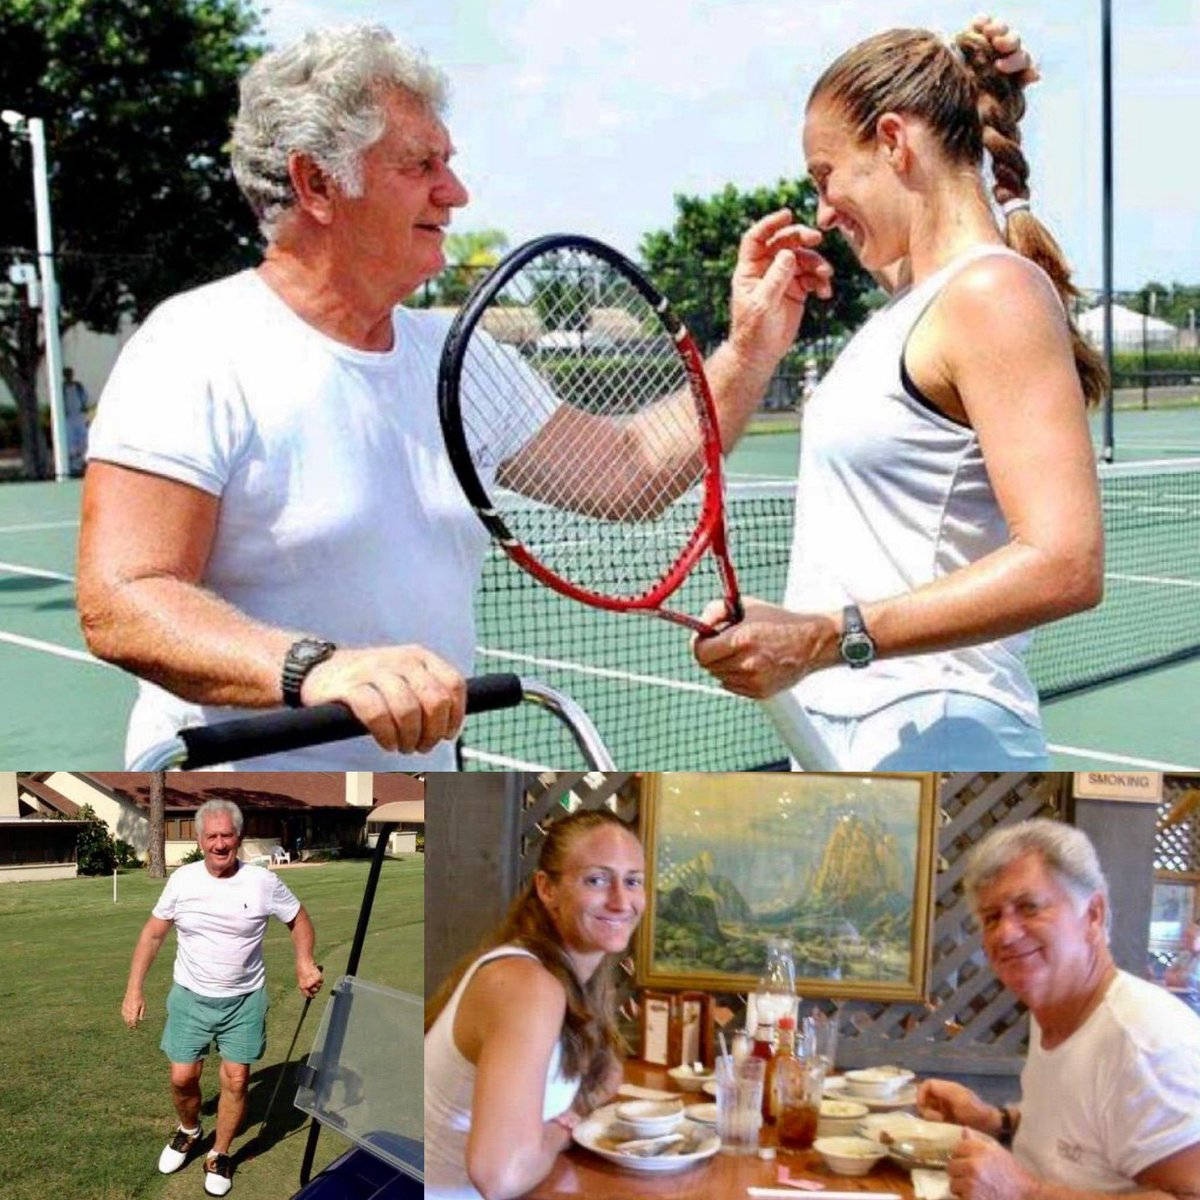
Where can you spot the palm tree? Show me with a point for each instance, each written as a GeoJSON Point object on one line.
{"type": "Point", "coordinates": [158, 848]}
{"type": "Point", "coordinates": [468, 256]}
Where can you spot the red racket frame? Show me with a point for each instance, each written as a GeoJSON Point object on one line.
{"type": "Point", "coordinates": [709, 533]}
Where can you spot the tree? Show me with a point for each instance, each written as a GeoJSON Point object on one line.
{"type": "Point", "coordinates": [692, 263]}
{"type": "Point", "coordinates": [94, 850]}
{"type": "Point", "coordinates": [157, 850]}
{"type": "Point", "coordinates": [468, 255]}
{"type": "Point", "coordinates": [137, 97]}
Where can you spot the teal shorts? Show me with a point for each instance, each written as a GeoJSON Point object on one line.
{"type": "Point", "coordinates": [238, 1024]}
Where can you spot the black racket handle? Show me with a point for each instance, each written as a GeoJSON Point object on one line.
{"type": "Point", "coordinates": [294, 728]}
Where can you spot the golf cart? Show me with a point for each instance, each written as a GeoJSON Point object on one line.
{"type": "Point", "coordinates": [365, 1075]}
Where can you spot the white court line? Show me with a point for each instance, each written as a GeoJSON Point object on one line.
{"type": "Point", "coordinates": [51, 648]}
{"type": "Point", "coordinates": [1149, 763]}
{"type": "Point", "coordinates": [518, 764]}
{"type": "Point", "coordinates": [36, 572]}
{"type": "Point", "coordinates": [558, 664]}
{"type": "Point", "coordinates": [500, 760]}
{"type": "Point", "coordinates": [39, 525]}
{"type": "Point", "coordinates": [1169, 581]}
{"type": "Point", "coordinates": [784, 481]}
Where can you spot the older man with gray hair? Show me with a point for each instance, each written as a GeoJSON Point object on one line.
{"type": "Point", "coordinates": [219, 908]}
{"type": "Point", "coordinates": [269, 515]}
{"type": "Point", "coordinates": [1110, 1091]}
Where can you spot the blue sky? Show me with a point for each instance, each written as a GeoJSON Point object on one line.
{"type": "Point", "coordinates": [590, 115]}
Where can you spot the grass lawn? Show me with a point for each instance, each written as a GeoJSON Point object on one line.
{"type": "Point", "coordinates": [84, 1102]}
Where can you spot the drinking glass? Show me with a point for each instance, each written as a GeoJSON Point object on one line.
{"type": "Point", "coordinates": [798, 1095]}
{"type": "Point", "coordinates": [820, 1037]}
{"type": "Point", "coordinates": [739, 1103]}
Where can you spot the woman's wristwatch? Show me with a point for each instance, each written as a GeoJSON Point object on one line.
{"type": "Point", "coordinates": [856, 646]}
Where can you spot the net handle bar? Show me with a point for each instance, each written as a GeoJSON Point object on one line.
{"type": "Point", "coordinates": [586, 735]}
{"type": "Point", "coordinates": [291, 729]}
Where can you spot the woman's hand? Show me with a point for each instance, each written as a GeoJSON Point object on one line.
{"type": "Point", "coordinates": [777, 269]}
{"type": "Point", "coordinates": [769, 650]}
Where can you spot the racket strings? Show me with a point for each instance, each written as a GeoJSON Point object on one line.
{"type": "Point", "coordinates": [576, 401]}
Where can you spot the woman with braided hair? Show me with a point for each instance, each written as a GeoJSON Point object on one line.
{"type": "Point", "coordinates": [521, 1041]}
{"type": "Point", "coordinates": [947, 499]}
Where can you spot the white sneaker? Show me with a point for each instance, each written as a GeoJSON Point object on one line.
{"type": "Point", "coordinates": [218, 1174]}
{"type": "Point", "coordinates": [175, 1152]}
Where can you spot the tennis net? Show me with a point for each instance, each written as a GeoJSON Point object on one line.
{"type": "Point", "coordinates": [657, 710]}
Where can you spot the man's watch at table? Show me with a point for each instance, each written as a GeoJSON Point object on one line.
{"type": "Point", "coordinates": [1008, 1126]}
{"type": "Point", "coordinates": [301, 657]}
{"type": "Point", "coordinates": [856, 645]}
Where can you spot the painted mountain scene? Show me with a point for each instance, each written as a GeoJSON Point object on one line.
{"type": "Point", "coordinates": [827, 861]}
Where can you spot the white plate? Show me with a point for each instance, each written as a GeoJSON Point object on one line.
{"type": "Point", "coordinates": [596, 1125]}
{"type": "Point", "coordinates": [710, 1087]}
{"type": "Point", "coordinates": [705, 1113]}
{"type": "Point", "coordinates": [902, 1127]}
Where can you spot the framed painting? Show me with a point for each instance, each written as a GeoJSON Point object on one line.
{"type": "Point", "coordinates": [842, 865]}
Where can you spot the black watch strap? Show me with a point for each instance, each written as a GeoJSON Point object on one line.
{"type": "Point", "coordinates": [301, 657]}
{"type": "Point", "coordinates": [1007, 1126]}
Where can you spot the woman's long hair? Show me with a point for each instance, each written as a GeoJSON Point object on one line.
{"type": "Point", "coordinates": [970, 106]}
{"type": "Point", "coordinates": [591, 1042]}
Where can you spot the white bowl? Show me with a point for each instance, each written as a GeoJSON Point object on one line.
{"type": "Point", "coordinates": [840, 1117]}
{"type": "Point", "coordinates": [709, 1088]}
{"type": "Point", "coordinates": [649, 1118]}
{"type": "Point", "coordinates": [688, 1079]}
{"type": "Point", "coordinates": [849, 1155]}
{"type": "Point", "coordinates": [877, 1082]}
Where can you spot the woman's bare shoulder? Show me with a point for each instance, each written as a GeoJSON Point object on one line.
{"type": "Point", "coordinates": [1000, 282]}
{"type": "Point", "coordinates": [516, 980]}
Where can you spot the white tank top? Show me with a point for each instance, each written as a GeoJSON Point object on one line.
{"type": "Point", "coordinates": [893, 494]}
{"type": "Point", "coordinates": [449, 1086]}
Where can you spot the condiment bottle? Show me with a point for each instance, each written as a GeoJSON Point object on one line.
{"type": "Point", "coordinates": [764, 1037]}
{"type": "Point", "coordinates": [784, 1051]}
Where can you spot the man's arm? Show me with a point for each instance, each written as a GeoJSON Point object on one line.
{"type": "Point", "coordinates": [150, 940]}
{"type": "Point", "coordinates": [654, 456]}
{"type": "Point", "coordinates": [144, 544]}
{"type": "Point", "coordinates": [309, 976]}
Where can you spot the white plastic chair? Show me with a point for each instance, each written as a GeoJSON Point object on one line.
{"type": "Point", "coordinates": [280, 855]}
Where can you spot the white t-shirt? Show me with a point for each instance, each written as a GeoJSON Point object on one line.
{"type": "Point", "coordinates": [1120, 1094]}
{"type": "Point", "coordinates": [220, 922]}
{"type": "Point", "coordinates": [340, 514]}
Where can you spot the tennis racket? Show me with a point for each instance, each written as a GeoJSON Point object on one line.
{"type": "Point", "coordinates": [579, 421]}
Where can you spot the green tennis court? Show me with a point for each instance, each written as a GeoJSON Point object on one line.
{"type": "Point", "coordinates": [635, 675]}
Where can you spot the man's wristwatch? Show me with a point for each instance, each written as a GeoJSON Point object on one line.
{"type": "Point", "coordinates": [1007, 1126]}
{"type": "Point", "coordinates": [856, 645]}
{"type": "Point", "coordinates": [301, 657]}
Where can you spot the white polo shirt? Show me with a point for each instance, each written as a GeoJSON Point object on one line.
{"type": "Point", "coordinates": [220, 922]}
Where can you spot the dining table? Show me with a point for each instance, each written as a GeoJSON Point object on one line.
{"type": "Point", "coordinates": [580, 1173]}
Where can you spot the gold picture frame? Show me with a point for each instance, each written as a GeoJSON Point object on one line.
{"type": "Point", "coordinates": [843, 864]}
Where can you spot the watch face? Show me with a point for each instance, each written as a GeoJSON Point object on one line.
{"type": "Point", "coordinates": [305, 652]}
{"type": "Point", "coordinates": [857, 649]}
